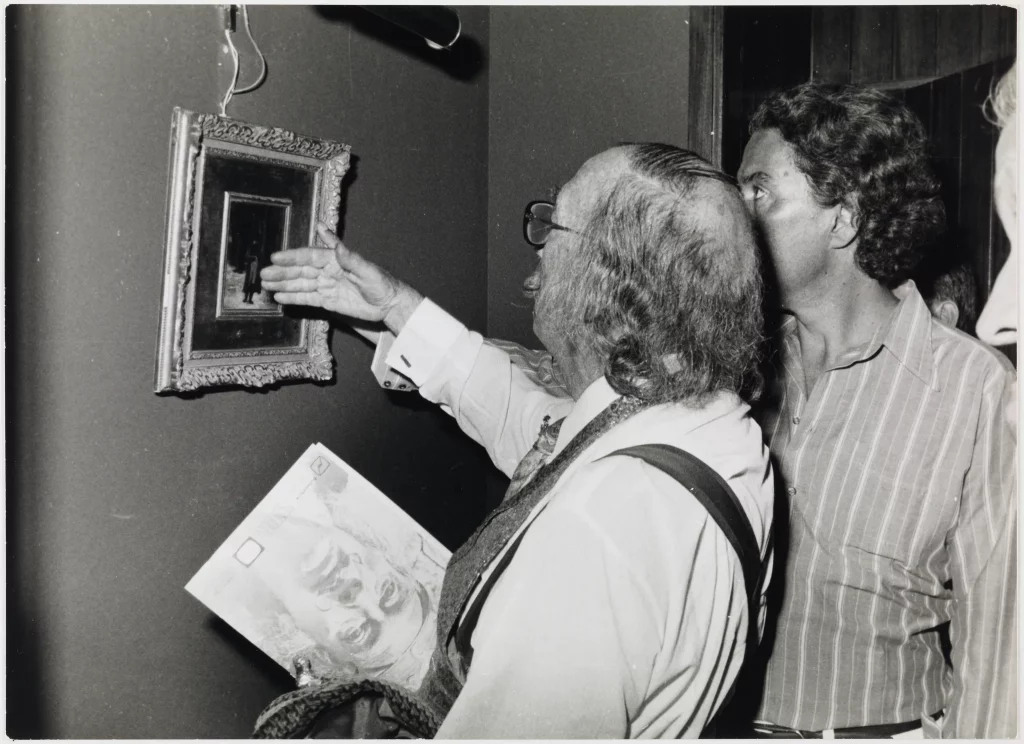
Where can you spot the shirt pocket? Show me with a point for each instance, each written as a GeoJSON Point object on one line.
{"type": "Point", "coordinates": [888, 510]}
{"type": "Point", "coordinates": [899, 508]}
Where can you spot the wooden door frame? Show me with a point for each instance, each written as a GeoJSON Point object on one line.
{"type": "Point", "coordinates": [704, 128]}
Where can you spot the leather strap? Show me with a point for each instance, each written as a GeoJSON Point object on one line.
{"type": "Point", "coordinates": [763, 730]}
{"type": "Point", "coordinates": [715, 495]}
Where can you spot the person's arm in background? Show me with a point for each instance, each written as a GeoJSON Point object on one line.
{"type": "Point", "coordinates": [493, 401]}
{"type": "Point", "coordinates": [537, 365]}
{"type": "Point", "coordinates": [983, 549]}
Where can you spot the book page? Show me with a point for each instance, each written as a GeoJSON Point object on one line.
{"type": "Point", "coordinates": [328, 568]}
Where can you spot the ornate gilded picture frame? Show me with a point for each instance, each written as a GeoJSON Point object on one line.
{"type": "Point", "coordinates": [237, 193]}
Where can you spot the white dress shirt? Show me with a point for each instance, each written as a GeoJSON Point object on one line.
{"type": "Point", "coordinates": [623, 613]}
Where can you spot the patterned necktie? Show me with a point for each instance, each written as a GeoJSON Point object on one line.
{"type": "Point", "coordinates": [535, 458]}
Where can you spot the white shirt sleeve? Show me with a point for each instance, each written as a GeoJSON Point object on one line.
{"type": "Point", "coordinates": [613, 620]}
{"type": "Point", "coordinates": [426, 338]}
{"type": "Point", "coordinates": [494, 402]}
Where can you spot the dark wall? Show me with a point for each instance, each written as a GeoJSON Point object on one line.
{"type": "Point", "coordinates": [116, 496]}
{"type": "Point", "coordinates": [565, 84]}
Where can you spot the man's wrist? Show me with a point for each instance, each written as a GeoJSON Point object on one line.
{"type": "Point", "coordinates": [406, 301]}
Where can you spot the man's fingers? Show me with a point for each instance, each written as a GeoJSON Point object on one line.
{"type": "Point", "coordinates": [299, 284]}
{"type": "Point", "coordinates": [278, 273]}
{"type": "Point", "coordinates": [284, 273]}
{"type": "Point", "coordinates": [316, 257]}
{"type": "Point", "coordinates": [298, 298]}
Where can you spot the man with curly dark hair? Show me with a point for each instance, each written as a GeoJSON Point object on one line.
{"type": "Point", "coordinates": [624, 610]}
{"type": "Point", "coordinates": [888, 434]}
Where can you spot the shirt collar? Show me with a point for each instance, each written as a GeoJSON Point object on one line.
{"type": "Point", "coordinates": [598, 396]}
{"type": "Point", "coordinates": [907, 336]}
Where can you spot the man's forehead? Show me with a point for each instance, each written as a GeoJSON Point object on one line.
{"type": "Point", "coordinates": [596, 176]}
{"type": "Point", "coordinates": [768, 153]}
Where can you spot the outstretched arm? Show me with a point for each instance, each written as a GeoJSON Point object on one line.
{"type": "Point", "coordinates": [493, 401]}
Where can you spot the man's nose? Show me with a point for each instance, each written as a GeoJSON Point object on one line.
{"type": "Point", "coordinates": [348, 590]}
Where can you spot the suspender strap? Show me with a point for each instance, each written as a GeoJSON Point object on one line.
{"type": "Point", "coordinates": [707, 486]}
{"type": "Point", "coordinates": [464, 630]}
{"type": "Point", "coordinates": [714, 494]}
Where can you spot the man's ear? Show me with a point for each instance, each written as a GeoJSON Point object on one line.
{"type": "Point", "coordinates": [844, 227]}
{"type": "Point", "coordinates": [947, 312]}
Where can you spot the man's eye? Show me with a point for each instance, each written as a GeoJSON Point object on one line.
{"type": "Point", "coordinates": [758, 192]}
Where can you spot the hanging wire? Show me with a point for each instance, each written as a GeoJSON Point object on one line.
{"type": "Point", "coordinates": [232, 90]}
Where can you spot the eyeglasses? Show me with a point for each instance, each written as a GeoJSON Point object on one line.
{"type": "Point", "coordinates": [537, 224]}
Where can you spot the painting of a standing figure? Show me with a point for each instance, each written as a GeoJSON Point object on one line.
{"type": "Point", "coordinates": [254, 227]}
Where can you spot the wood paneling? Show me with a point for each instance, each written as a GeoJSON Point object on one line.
{"type": "Point", "coordinates": [998, 33]}
{"type": "Point", "coordinates": [899, 45]}
{"type": "Point", "coordinates": [919, 100]}
{"type": "Point", "coordinates": [704, 135]}
{"type": "Point", "coordinates": [1006, 19]}
{"type": "Point", "coordinates": [872, 59]}
{"type": "Point", "coordinates": [958, 37]}
{"type": "Point", "coordinates": [964, 147]}
{"type": "Point", "coordinates": [831, 44]}
{"type": "Point", "coordinates": [915, 42]}
{"type": "Point", "coordinates": [946, 122]}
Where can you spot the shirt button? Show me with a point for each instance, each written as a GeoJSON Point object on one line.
{"type": "Point", "coordinates": [796, 419]}
{"type": "Point", "coordinates": [791, 491]}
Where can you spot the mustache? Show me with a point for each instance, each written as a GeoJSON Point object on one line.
{"type": "Point", "coordinates": [531, 285]}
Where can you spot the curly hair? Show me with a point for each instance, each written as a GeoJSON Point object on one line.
{"type": "Point", "coordinates": [667, 285]}
{"type": "Point", "coordinates": [863, 148]}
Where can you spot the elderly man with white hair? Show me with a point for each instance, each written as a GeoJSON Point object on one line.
{"type": "Point", "coordinates": [600, 599]}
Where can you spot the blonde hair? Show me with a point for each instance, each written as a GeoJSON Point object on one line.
{"type": "Point", "coordinates": [1001, 103]}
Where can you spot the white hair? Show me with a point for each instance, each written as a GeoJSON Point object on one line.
{"type": "Point", "coordinates": [1001, 104]}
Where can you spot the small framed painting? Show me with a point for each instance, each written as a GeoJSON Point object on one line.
{"type": "Point", "coordinates": [237, 193]}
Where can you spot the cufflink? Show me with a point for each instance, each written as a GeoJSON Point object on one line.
{"type": "Point", "coordinates": [387, 377]}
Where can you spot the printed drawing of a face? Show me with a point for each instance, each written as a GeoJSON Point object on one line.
{"type": "Point", "coordinates": [363, 605]}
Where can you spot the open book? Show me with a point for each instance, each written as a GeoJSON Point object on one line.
{"type": "Point", "coordinates": [328, 568]}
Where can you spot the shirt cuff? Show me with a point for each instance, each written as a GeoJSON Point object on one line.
{"type": "Point", "coordinates": [424, 341]}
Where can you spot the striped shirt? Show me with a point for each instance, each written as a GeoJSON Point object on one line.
{"type": "Point", "coordinates": [900, 475]}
